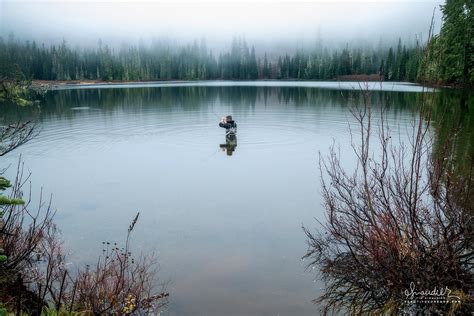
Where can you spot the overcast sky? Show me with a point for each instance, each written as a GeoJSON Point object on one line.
{"type": "Point", "coordinates": [261, 22]}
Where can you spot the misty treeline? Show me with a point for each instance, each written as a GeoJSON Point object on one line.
{"type": "Point", "coordinates": [450, 59]}
{"type": "Point", "coordinates": [160, 61]}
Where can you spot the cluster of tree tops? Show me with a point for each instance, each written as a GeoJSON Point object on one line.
{"type": "Point", "coordinates": [450, 54]}
{"type": "Point", "coordinates": [450, 59]}
{"type": "Point", "coordinates": [159, 61]}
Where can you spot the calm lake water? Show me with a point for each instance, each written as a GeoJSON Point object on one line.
{"type": "Point", "coordinates": [225, 220]}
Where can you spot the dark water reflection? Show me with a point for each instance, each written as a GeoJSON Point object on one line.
{"type": "Point", "coordinates": [224, 219]}
{"type": "Point", "coordinates": [230, 144]}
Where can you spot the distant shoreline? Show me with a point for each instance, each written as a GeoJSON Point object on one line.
{"type": "Point", "coordinates": [60, 84]}
{"type": "Point", "coordinates": [399, 86]}
{"type": "Point", "coordinates": [67, 83]}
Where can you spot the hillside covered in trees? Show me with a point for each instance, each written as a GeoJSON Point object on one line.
{"type": "Point", "coordinates": [448, 58]}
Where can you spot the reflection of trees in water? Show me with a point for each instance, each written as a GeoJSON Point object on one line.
{"type": "Point", "coordinates": [453, 125]}
{"type": "Point", "coordinates": [401, 222]}
{"type": "Point", "coordinates": [194, 98]}
{"type": "Point", "coordinates": [455, 140]}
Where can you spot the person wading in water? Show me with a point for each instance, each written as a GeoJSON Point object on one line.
{"type": "Point", "coordinates": [229, 124]}
{"type": "Point", "coordinates": [230, 134]}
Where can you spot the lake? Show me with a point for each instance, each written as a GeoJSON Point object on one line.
{"type": "Point", "coordinates": [223, 217]}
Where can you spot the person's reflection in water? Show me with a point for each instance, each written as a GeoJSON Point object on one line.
{"type": "Point", "coordinates": [230, 144]}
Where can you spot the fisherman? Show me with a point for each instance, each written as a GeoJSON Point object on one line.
{"type": "Point", "coordinates": [229, 124]}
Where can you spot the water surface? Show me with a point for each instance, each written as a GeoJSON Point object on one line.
{"type": "Point", "coordinates": [225, 219]}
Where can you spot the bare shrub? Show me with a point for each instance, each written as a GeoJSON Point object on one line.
{"type": "Point", "coordinates": [23, 231]}
{"type": "Point", "coordinates": [17, 91]}
{"type": "Point", "coordinates": [33, 272]}
{"type": "Point", "coordinates": [393, 225]}
{"type": "Point", "coordinates": [35, 275]}
{"type": "Point", "coordinates": [14, 135]}
{"type": "Point", "coordinates": [119, 283]}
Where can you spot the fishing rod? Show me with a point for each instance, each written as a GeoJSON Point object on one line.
{"type": "Point", "coordinates": [212, 108]}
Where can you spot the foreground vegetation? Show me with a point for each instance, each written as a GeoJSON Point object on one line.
{"type": "Point", "coordinates": [399, 233]}
{"type": "Point", "coordinates": [402, 220]}
{"type": "Point", "coordinates": [34, 276]}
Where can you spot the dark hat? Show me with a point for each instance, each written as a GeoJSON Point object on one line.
{"type": "Point", "coordinates": [228, 117]}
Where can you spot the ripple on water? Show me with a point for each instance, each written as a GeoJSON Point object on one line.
{"type": "Point", "coordinates": [272, 126]}
{"type": "Point", "coordinates": [175, 130]}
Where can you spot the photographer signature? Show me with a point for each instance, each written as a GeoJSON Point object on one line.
{"type": "Point", "coordinates": [441, 293]}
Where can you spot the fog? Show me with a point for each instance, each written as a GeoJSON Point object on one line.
{"type": "Point", "coordinates": [263, 24]}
